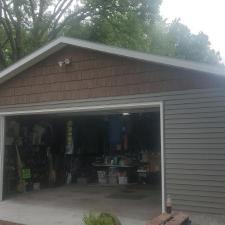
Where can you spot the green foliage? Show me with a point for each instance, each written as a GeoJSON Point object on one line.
{"type": "Point", "coordinates": [123, 23]}
{"type": "Point", "coordinates": [137, 25]}
{"type": "Point", "coordinates": [28, 24]}
{"type": "Point", "coordinates": [102, 219]}
{"type": "Point", "coordinates": [176, 40]}
{"type": "Point", "coordinates": [25, 25]}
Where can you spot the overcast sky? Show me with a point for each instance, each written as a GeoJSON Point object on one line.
{"type": "Point", "coordinates": [200, 15]}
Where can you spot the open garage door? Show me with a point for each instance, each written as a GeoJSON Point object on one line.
{"type": "Point", "coordinates": [111, 156]}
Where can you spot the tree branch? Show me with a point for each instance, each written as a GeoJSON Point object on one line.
{"type": "Point", "coordinates": [61, 13]}
{"type": "Point", "coordinates": [56, 6]}
{"type": "Point", "coordinates": [2, 54]}
{"type": "Point", "coordinates": [9, 31]}
{"type": "Point", "coordinates": [33, 15]}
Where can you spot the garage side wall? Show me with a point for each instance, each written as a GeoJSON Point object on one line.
{"type": "Point", "coordinates": [195, 150]}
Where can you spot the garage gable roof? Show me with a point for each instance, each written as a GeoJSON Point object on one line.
{"type": "Point", "coordinates": [61, 42]}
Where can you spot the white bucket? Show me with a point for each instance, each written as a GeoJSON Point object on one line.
{"type": "Point", "coordinates": [123, 180]}
{"type": "Point", "coordinates": [36, 186]}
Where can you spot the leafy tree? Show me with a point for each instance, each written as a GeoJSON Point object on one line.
{"type": "Point", "coordinates": [124, 23]}
{"type": "Point", "coordinates": [177, 40]}
{"type": "Point", "coordinates": [28, 24]}
{"type": "Point", "coordinates": [138, 25]}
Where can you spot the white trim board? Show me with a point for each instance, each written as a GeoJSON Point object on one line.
{"type": "Point", "coordinates": [2, 153]}
{"type": "Point", "coordinates": [61, 42]}
{"type": "Point", "coordinates": [163, 187]}
{"type": "Point", "coordinates": [93, 108]}
{"type": "Point", "coordinates": [124, 106]}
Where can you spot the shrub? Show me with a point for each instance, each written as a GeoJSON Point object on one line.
{"type": "Point", "coordinates": [101, 219]}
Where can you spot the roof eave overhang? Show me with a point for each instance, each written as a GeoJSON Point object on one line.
{"type": "Point", "coordinates": [31, 60]}
{"type": "Point", "coordinates": [61, 42]}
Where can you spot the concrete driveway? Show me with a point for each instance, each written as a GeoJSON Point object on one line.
{"type": "Point", "coordinates": [134, 205]}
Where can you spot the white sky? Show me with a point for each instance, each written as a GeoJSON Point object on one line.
{"type": "Point", "coordinates": [200, 15]}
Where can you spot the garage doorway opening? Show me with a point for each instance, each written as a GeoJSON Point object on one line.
{"type": "Point", "coordinates": [114, 155]}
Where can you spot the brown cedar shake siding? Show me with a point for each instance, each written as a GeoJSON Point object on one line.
{"type": "Point", "coordinates": [92, 75]}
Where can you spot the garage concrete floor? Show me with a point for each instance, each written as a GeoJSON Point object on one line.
{"type": "Point", "coordinates": [134, 205]}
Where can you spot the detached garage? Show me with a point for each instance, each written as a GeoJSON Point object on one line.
{"type": "Point", "coordinates": [83, 123]}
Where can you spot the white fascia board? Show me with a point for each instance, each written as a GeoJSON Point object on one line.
{"type": "Point", "coordinates": [31, 60]}
{"type": "Point", "coordinates": [61, 42]}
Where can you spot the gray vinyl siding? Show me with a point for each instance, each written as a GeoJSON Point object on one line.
{"type": "Point", "coordinates": [194, 143]}
{"type": "Point", "coordinates": [195, 151]}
